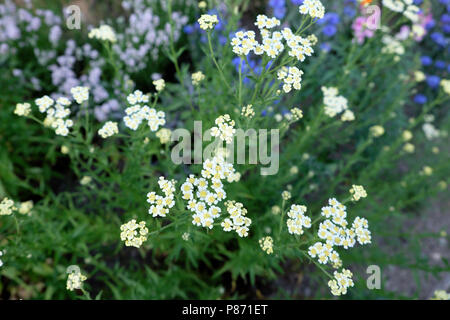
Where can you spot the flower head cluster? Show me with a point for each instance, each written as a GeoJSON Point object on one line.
{"type": "Point", "coordinates": [297, 219]}
{"type": "Point", "coordinates": [1, 262]}
{"type": "Point", "coordinates": [197, 77]}
{"type": "Point", "coordinates": [75, 280]}
{"type": "Point", "coordinates": [133, 234]}
{"type": "Point", "coordinates": [445, 84]}
{"type": "Point", "coordinates": [314, 8]}
{"type": "Point", "coordinates": [392, 46]}
{"type": "Point", "coordinates": [376, 131]}
{"type": "Point", "coordinates": [335, 104]}
{"type": "Point", "coordinates": [297, 113]}
{"type": "Point", "coordinates": [266, 244]}
{"type": "Point", "coordinates": [104, 33]}
{"type": "Point", "coordinates": [109, 129]}
{"type": "Point", "coordinates": [23, 109]}
{"type": "Point", "coordinates": [286, 195]}
{"type": "Point", "coordinates": [244, 42]}
{"type": "Point", "coordinates": [160, 205]}
{"type": "Point", "coordinates": [159, 84]}
{"type": "Point", "coordinates": [7, 207]}
{"type": "Point", "coordinates": [341, 282]}
{"type": "Point", "coordinates": [137, 97]}
{"type": "Point", "coordinates": [25, 207]}
{"type": "Point", "coordinates": [225, 128]}
{"type": "Point", "coordinates": [291, 77]}
{"type": "Point", "coordinates": [80, 94]}
{"type": "Point", "coordinates": [248, 111]}
{"type": "Point", "coordinates": [335, 233]}
{"type": "Point", "coordinates": [407, 7]}
{"type": "Point", "coordinates": [237, 220]}
{"type": "Point", "coordinates": [137, 113]}
{"type": "Point", "coordinates": [207, 21]}
{"type": "Point", "coordinates": [358, 192]}
{"type": "Point", "coordinates": [441, 295]}
{"type": "Point", "coordinates": [56, 113]}
{"type": "Point", "coordinates": [164, 135]}
{"type": "Point", "coordinates": [205, 193]}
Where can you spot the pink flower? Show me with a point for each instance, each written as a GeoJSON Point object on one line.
{"type": "Point", "coordinates": [360, 29]}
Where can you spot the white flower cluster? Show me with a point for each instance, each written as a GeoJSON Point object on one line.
{"type": "Point", "coordinates": [430, 131]}
{"type": "Point", "coordinates": [407, 7]}
{"type": "Point", "coordinates": [25, 207]}
{"type": "Point", "coordinates": [248, 111]}
{"type": "Point", "coordinates": [203, 194]}
{"type": "Point", "coordinates": [109, 129]}
{"type": "Point", "coordinates": [197, 77]}
{"type": "Point", "coordinates": [225, 128]}
{"type": "Point", "coordinates": [341, 282]}
{"type": "Point", "coordinates": [314, 8]}
{"type": "Point", "coordinates": [266, 244]}
{"type": "Point", "coordinates": [392, 46]}
{"type": "Point", "coordinates": [160, 205]}
{"type": "Point", "coordinates": [159, 84]}
{"type": "Point", "coordinates": [137, 113]}
{"type": "Point", "coordinates": [133, 234]}
{"type": "Point", "coordinates": [335, 232]}
{"type": "Point", "coordinates": [104, 33]}
{"type": "Point", "coordinates": [358, 192]}
{"type": "Point", "coordinates": [23, 109]}
{"type": "Point", "coordinates": [56, 116]}
{"type": "Point", "coordinates": [297, 219]}
{"type": "Point", "coordinates": [75, 280]}
{"type": "Point", "coordinates": [244, 42]}
{"type": "Point", "coordinates": [335, 104]}
{"type": "Point", "coordinates": [6, 207]}
{"type": "Point", "coordinates": [207, 21]}
{"type": "Point", "coordinates": [237, 221]}
{"type": "Point", "coordinates": [291, 77]}
{"type": "Point", "coordinates": [1, 262]}
{"type": "Point", "coordinates": [80, 94]}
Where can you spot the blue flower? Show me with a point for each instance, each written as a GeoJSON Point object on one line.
{"type": "Point", "coordinates": [349, 12]}
{"type": "Point", "coordinates": [420, 99]}
{"type": "Point", "coordinates": [433, 81]}
{"type": "Point", "coordinates": [278, 7]}
{"type": "Point", "coordinates": [445, 18]}
{"type": "Point", "coordinates": [325, 47]}
{"type": "Point", "coordinates": [439, 38]}
{"type": "Point", "coordinates": [426, 60]}
{"type": "Point", "coordinates": [329, 18]}
{"type": "Point", "coordinates": [418, 2]}
{"type": "Point", "coordinates": [297, 2]}
{"type": "Point", "coordinates": [189, 29]}
{"type": "Point", "coordinates": [430, 24]}
{"type": "Point", "coordinates": [439, 64]}
{"type": "Point", "coordinates": [329, 30]}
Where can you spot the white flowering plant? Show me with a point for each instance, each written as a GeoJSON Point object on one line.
{"type": "Point", "coordinates": [110, 189]}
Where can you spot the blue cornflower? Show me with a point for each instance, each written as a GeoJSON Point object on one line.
{"type": "Point", "coordinates": [439, 64]}
{"type": "Point", "coordinates": [329, 30]}
{"type": "Point", "coordinates": [420, 99]}
{"type": "Point", "coordinates": [433, 81]}
{"type": "Point", "coordinates": [439, 38]}
{"type": "Point", "coordinates": [426, 60]}
{"type": "Point", "coordinates": [349, 12]}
